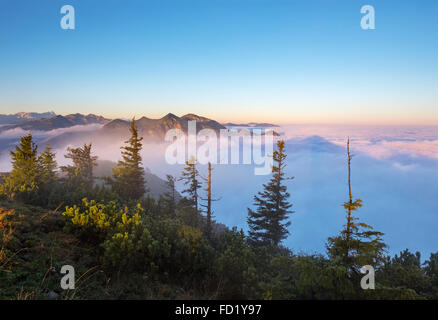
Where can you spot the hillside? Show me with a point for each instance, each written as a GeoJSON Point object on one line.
{"type": "Point", "coordinates": [40, 246]}
{"type": "Point", "coordinates": [154, 184]}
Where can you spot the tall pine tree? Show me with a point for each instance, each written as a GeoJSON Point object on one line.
{"type": "Point", "coordinates": [47, 167]}
{"type": "Point", "coordinates": [128, 176]}
{"type": "Point", "coordinates": [169, 197]}
{"type": "Point", "coordinates": [190, 176]}
{"type": "Point", "coordinates": [47, 177]}
{"type": "Point", "coordinates": [268, 223]}
{"type": "Point", "coordinates": [357, 245]}
{"type": "Point", "coordinates": [24, 175]}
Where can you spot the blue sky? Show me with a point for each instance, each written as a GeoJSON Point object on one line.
{"type": "Point", "coordinates": [232, 60]}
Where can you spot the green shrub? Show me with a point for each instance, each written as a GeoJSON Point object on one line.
{"type": "Point", "coordinates": [235, 267]}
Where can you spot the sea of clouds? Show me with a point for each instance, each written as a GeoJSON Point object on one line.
{"type": "Point", "coordinates": [394, 172]}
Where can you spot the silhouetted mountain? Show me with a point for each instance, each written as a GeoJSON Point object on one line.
{"type": "Point", "coordinates": [24, 116]}
{"type": "Point", "coordinates": [57, 122]}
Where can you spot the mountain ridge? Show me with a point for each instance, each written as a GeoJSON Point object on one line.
{"type": "Point", "coordinates": [57, 122]}
{"type": "Point", "coordinates": [24, 116]}
{"type": "Point", "coordinates": [152, 130]}
{"type": "Point", "coordinates": [156, 129]}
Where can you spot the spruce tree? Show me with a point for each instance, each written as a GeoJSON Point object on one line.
{"type": "Point", "coordinates": [24, 175]}
{"type": "Point", "coordinates": [357, 245]}
{"type": "Point", "coordinates": [268, 223]}
{"type": "Point", "coordinates": [431, 270]}
{"type": "Point", "coordinates": [80, 174]}
{"type": "Point", "coordinates": [169, 197]}
{"type": "Point", "coordinates": [190, 176]}
{"type": "Point", "coordinates": [47, 177]}
{"type": "Point", "coordinates": [128, 176]}
{"type": "Point", "coordinates": [47, 167]}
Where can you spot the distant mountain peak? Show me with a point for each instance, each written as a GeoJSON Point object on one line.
{"type": "Point", "coordinates": [170, 116]}
{"type": "Point", "coordinates": [24, 116]}
{"type": "Point", "coordinates": [192, 116]}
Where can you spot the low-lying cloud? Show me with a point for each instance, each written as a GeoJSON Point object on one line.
{"type": "Point", "coordinates": [394, 172]}
{"type": "Point", "coordinates": [383, 142]}
{"type": "Point", "coordinates": [19, 132]}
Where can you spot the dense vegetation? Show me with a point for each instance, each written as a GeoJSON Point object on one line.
{"type": "Point", "coordinates": [124, 244]}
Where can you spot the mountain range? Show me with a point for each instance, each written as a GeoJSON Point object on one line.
{"type": "Point", "coordinates": [155, 129]}
{"type": "Point", "coordinates": [56, 122]}
{"type": "Point", "coordinates": [23, 117]}
{"type": "Point", "coordinates": [152, 130]}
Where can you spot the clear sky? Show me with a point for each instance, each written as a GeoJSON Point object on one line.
{"type": "Point", "coordinates": [282, 61]}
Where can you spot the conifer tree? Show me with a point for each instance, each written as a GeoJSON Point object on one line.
{"type": "Point", "coordinates": [431, 270]}
{"type": "Point", "coordinates": [169, 196]}
{"type": "Point", "coordinates": [128, 176]}
{"type": "Point", "coordinates": [209, 200]}
{"type": "Point", "coordinates": [190, 176]}
{"type": "Point", "coordinates": [357, 245]}
{"type": "Point", "coordinates": [80, 174]}
{"type": "Point", "coordinates": [47, 166]}
{"type": "Point", "coordinates": [24, 174]}
{"type": "Point", "coordinates": [268, 223]}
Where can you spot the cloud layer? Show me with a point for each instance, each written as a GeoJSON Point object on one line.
{"type": "Point", "coordinates": [394, 171]}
